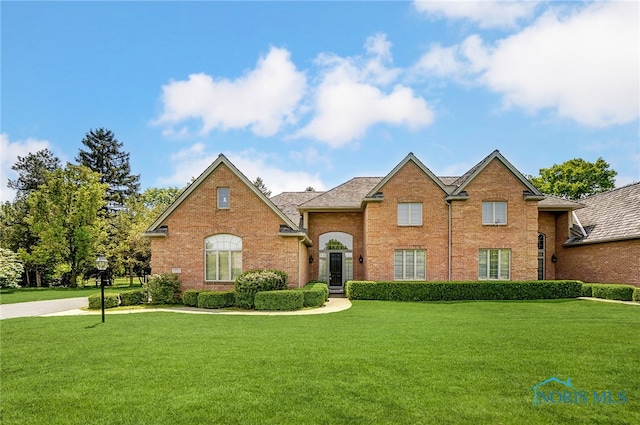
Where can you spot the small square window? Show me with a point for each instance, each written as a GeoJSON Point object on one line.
{"type": "Point", "coordinates": [223, 198]}
{"type": "Point", "coordinates": [494, 213]}
{"type": "Point", "coordinates": [409, 214]}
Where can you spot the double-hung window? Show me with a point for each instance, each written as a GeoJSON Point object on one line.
{"type": "Point", "coordinates": [410, 264]}
{"type": "Point", "coordinates": [494, 264]}
{"type": "Point", "coordinates": [223, 258]}
{"type": "Point", "coordinates": [410, 214]}
{"type": "Point", "coordinates": [223, 198]}
{"type": "Point", "coordinates": [494, 213]}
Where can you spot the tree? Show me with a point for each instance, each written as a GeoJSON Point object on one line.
{"type": "Point", "coordinates": [64, 215]}
{"type": "Point", "coordinates": [10, 269]}
{"type": "Point", "coordinates": [575, 179]}
{"type": "Point", "coordinates": [31, 171]}
{"type": "Point", "coordinates": [104, 155]}
{"type": "Point", "coordinates": [309, 189]}
{"type": "Point", "coordinates": [262, 187]}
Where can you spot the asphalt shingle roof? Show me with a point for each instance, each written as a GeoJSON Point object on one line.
{"type": "Point", "coordinates": [347, 195]}
{"type": "Point", "coordinates": [288, 202]}
{"type": "Point", "coordinates": [610, 215]}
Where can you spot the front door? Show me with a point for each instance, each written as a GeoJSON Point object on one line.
{"type": "Point", "coordinates": [335, 269]}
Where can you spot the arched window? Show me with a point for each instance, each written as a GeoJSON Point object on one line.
{"type": "Point", "coordinates": [223, 258]}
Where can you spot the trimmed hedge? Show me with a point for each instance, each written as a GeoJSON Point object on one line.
{"type": "Point", "coordinates": [216, 299]}
{"type": "Point", "coordinates": [315, 294]}
{"type": "Point", "coordinates": [450, 291]}
{"type": "Point", "coordinates": [251, 282]}
{"type": "Point", "coordinates": [135, 297]}
{"type": "Point", "coordinates": [612, 291]}
{"type": "Point", "coordinates": [636, 295]}
{"type": "Point", "coordinates": [587, 290]}
{"type": "Point", "coordinates": [190, 298]}
{"type": "Point", "coordinates": [110, 301]}
{"type": "Point", "coordinates": [290, 299]}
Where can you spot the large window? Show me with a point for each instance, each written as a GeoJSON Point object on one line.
{"type": "Point", "coordinates": [223, 198]}
{"type": "Point", "coordinates": [410, 264]}
{"type": "Point", "coordinates": [494, 213]}
{"type": "Point", "coordinates": [409, 214]}
{"type": "Point", "coordinates": [494, 264]}
{"type": "Point", "coordinates": [223, 258]}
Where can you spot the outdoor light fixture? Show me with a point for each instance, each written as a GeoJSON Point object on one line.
{"type": "Point", "coordinates": [360, 259]}
{"type": "Point", "coordinates": [310, 259]}
{"type": "Point", "coordinates": [101, 264]}
{"type": "Point", "coordinates": [554, 258]}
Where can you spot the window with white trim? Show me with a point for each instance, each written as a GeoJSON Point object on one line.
{"type": "Point", "coordinates": [410, 264]}
{"type": "Point", "coordinates": [494, 264]}
{"type": "Point", "coordinates": [409, 214]}
{"type": "Point", "coordinates": [494, 213]}
{"type": "Point", "coordinates": [223, 258]}
{"type": "Point", "coordinates": [223, 198]}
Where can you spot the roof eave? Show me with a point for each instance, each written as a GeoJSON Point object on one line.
{"type": "Point", "coordinates": [581, 242]}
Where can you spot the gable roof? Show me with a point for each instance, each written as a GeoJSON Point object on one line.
{"type": "Point", "coordinates": [609, 216]}
{"type": "Point", "coordinates": [348, 195]}
{"type": "Point", "coordinates": [409, 158]}
{"type": "Point", "coordinates": [221, 160]}
{"type": "Point", "coordinates": [288, 202]}
{"type": "Point", "coordinates": [555, 203]}
{"type": "Point", "coordinates": [467, 177]}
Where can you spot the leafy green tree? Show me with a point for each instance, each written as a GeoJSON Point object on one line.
{"type": "Point", "coordinates": [259, 183]}
{"type": "Point", "coordinates": [10, 269]}
{"type": "Point", "coordinates": [576, 178]}
{"type": "Point", "coordinates": [64, 215]}
{"type": "Point", "coordinates": [104, 155]}
{"type": "Point", "coordinates": [157, 199]}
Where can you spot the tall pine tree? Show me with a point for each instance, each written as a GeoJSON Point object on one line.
{"type": "Point", "coordinates": [32, 170]}
{"type": "Point", "coordinates": [104, 155]}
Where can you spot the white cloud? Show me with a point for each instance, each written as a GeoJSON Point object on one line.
{"type": "Point", "coordinates": [10, 152]}
{"type": "Point", "coordinates": [585, 66]}
{"type": "Point", "coordinates": [487, 14]}
{"type": "Point", "coordinates": [263, 100]}
{"type": "Point", "coordinates": [350, 97]}
{"type": "Point", "coordinates": [192, 161]}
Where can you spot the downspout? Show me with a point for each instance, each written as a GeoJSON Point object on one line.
{"type": "Point", "coordinates": [450, 247]}
{"type": "Point", "coordinates": [299, 265]}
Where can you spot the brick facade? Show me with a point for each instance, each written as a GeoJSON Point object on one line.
{"type": "Point", "coordinates": [451, 232]}
{"type": "Point", "coordinates": [248, 217]}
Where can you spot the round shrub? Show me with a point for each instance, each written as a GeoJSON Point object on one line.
{"type": "Point", "coordinates": [134, 297]}
{"type": "Point", "coordinates": [164, 289]}
{"type": "Point", "coordinates": [110, 301]}
{"type": "Point", "coordinates": [248, 284]}
{"type": "Point", "coordinates": [279, 300]}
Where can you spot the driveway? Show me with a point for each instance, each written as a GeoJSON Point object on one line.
{"type": "Point", "coordinates": [40, 308]}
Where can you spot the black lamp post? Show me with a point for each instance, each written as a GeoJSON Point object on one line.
{"type": "Point", "coordinates": [101, 264]}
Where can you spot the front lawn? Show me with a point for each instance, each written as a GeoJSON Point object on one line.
{"type": "Point", "coordinates": [377, 363]}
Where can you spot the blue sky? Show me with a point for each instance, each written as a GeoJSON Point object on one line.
{"type": "Point", "coordinates": [315, 93]}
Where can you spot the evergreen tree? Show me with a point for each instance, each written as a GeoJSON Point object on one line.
{"type": "Point", "coordinates": [259, 183]}
{"type": "Point", "coordinates": [104, 155]}
{"type": "Point", "coordinates": [32, 170]}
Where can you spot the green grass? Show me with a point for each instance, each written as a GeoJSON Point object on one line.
{"type": "Point", "coordinates": [40, 294]}
{"type": "Point", "coordinates": [376, 363]}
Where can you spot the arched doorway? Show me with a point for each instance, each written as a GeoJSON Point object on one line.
{"type": "Point", "coordinates": [335, 265]}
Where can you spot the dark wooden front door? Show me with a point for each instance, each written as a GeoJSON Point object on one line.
{"type": "Point", "coordinates": [335, 269]}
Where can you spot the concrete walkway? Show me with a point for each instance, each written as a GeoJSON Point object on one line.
{"type": "Point", "coordinates": [77, 307]}
{"type": "Point", "coordinates": [42, 308]}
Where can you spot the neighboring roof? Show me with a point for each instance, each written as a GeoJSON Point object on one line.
{"type": "Point", "coordinates": [555, 203]}
{"type": "Point", "coordinates": [610, 216]}
{"type": "Point", "coordinates": [409, 158]}
{"type": "Point", "coordinates": [348, 195]}
{"type": "Point", "coordinates": [288, 202]}
{"type": "Point", "coordinates": [152, 230]}
{"type": "Point", "coordinates": [467, 177]}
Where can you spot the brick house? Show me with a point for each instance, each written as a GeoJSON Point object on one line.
{"type": "Point", "coordinates": [490, 223]}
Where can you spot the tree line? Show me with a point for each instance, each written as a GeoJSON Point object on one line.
{"type": "Point", "coordinates": [62, 216]}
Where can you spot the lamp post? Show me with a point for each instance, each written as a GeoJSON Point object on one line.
{"type": "Point", "coordinates": [101, 264]}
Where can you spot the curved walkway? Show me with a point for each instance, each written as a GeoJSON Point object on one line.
{"type": "Point", "coordinates": [334, 305]}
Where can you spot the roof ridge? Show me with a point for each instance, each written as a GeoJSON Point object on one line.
{"type": "Point", "coordinates": [626, 186]}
